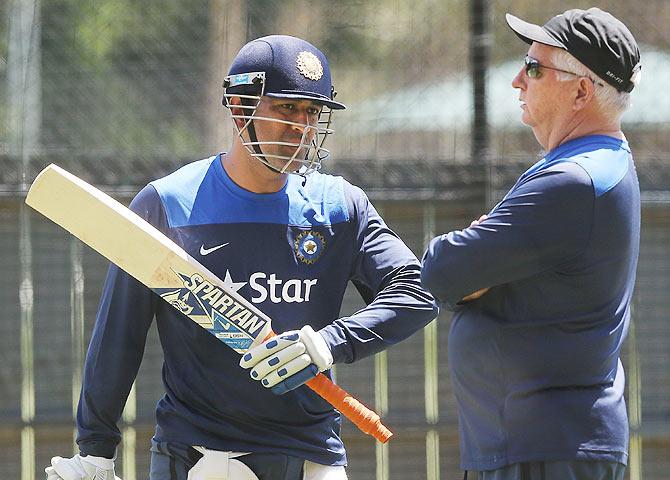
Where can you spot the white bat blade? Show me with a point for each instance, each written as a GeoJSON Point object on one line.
{"type": "Point", "coordinates": [147, 254]}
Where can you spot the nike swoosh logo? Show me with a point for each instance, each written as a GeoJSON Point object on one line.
{"type": "Point", "coordinates": [206, 251]}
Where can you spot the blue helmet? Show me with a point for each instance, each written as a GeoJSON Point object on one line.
{"type": "Point", "coordinates": [293, 68]}
{"type": "Point", "coordinates": [282, 66]}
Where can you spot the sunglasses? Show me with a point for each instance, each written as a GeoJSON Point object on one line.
{"type": "Point", "coordinates": [533, 67]}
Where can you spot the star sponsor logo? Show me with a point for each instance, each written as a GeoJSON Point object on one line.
{"type": "Point", "coordinates": [309, 246]}
{"type": "Point", "coordinates": [270, 287]}
{"type": "Point", "coordinates": [230, 283]}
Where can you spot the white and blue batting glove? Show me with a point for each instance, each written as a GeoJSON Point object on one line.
{"type": "Point", "coordinates": [81, 468]}
{"type": "Point", "coordinates": [288, 360]}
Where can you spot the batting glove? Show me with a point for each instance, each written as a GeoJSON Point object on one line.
{"type": "Point", "coordinates": [81, 468]}
{"type": "Point", "coordinates": [285, 362]}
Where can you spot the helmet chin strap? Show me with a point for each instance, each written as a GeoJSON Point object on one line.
{"type": "Point", "coordinates": [254, 139]}
{"type": "Point", "coordinates": [257, 148]}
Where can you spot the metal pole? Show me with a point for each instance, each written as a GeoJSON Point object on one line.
{"type": "Point", "coordinates": [480, 42]}
{"type": "Point", "coordinates": [381, 404]}
{"type": "Point", "coordinates": [24, 119]}
{"type": "Point", "coordinates": [26, 301]}
{"type": "Point", "coordinates": [430, 353]}
{"type": "Point", "coordinates": [129, 435]}
{"type": "Point", "coordinates": [227, 35]}
{"type": "Point", "coordinates": [76, 325]}
{"type": "Point", "coordinates": [24, 80]}
{"type": "Point", "coordinates": [634, 402]}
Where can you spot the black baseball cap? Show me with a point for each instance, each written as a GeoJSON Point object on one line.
{"type": "Point", "coordinates": [594, 37]}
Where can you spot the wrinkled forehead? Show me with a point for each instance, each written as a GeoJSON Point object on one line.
{"type": "Point", "coordinates": [540, 51]}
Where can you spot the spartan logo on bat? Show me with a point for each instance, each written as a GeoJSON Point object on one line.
{"type": "Point", "coordinates": [210, 306]}
{"type": "Point", "coordinates": [308, 246]}
{"type": "Point", "coordinates": [182, 301]}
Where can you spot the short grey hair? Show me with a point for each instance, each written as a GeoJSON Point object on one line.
{"type": "Point", "coordinates": [610, 100]}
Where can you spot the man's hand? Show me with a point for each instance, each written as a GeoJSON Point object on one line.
{"type": "Point", "coordinates": [288, 360]}
{"type": "Point", "coordinates": [81, 468]}
{"type": "Point", "coordinates": [474, 296]}
{"type": "Point", "coordinates": [479, 220]}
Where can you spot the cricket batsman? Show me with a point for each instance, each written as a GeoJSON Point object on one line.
{"type": "Point", "coordinates": [289, 239]}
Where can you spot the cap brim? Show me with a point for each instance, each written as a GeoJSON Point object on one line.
{"type": "Point", "coordinates": [529, 32]}
{"type": "Point", "coordinates": [318, 99]}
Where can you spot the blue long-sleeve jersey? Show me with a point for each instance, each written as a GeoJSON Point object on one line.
{"type": "Point", "coordinates": [291, 253]}
{"type": "Point", "coordinates": [535, 361]}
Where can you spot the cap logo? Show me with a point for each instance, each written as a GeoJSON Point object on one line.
{"type": "Point", "coordinates": [309, 65]}
{"type": "Point", "coordinates": [614, 77]}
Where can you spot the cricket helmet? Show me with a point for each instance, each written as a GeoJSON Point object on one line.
{"type": "Point", "coordinates": [281, 66]}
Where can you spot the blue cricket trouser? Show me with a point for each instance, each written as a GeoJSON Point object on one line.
{"type": "Point", "coordinates": [558, 470]}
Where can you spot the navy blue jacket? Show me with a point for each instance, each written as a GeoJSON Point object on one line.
{"type": "Point", "coordinates": [290, 253]}
{"type": "Point", "coordinates": [535, 361]}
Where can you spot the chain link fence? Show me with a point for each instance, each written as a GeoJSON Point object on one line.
{"type": "Point", "coordinates": [122, 92]}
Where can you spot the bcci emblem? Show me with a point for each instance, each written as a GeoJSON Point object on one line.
{"type": "Point", "coordinates": [308, 246]}
{"type": "Point", "coordinates": [309, 65]}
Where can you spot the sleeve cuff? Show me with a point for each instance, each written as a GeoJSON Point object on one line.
{"type": "Point", "coordinates": [98, 449]}
{"type": "Point", "coordinates": [100, 462]}
{"type": "Point", "coordinates": [334, 336]}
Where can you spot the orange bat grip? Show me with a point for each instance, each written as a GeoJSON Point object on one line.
{"type": "Point", "coordinates": [361, 416]}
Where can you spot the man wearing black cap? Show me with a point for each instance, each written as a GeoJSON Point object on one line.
{"type": "Point", "coordinates": [541, 286]}
{"type": "Point", "coordinates": [289, 239]}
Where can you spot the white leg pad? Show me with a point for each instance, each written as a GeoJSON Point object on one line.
{"type": "Point", "coordinates": [215, 465]}
{"type": "Point", "coordinates": [315, 471]}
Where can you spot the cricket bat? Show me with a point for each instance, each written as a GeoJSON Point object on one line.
{"type": "Point", "coordinates": [145, 253]}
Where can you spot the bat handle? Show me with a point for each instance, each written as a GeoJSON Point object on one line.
{"type": "Point", "coordinates": [364, 418]}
